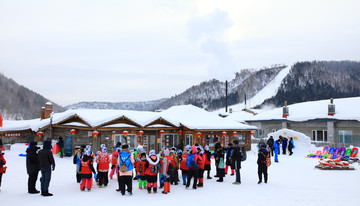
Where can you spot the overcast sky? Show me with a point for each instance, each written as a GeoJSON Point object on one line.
{"type": "Point", "coordinates": [134, 50]}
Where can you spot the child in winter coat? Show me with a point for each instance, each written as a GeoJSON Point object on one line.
{"type": "Point", "coordinates": [220, 153]}
{"type": "Point", "coordinates": [87, 169]}
{"type": "Point", "coordinates": [165, 171]}
{"type": "Point", "coordinates": [103, 161]}
{"type": "Point", "coordinates": [152, 169]}
{"type": "Point", "coordinates": [261, 161]}
{"type": "Point", "coordinates": [175, 165]}
{"type": "Point", "coordinates": [184, 169]}
{"type": "Point", "coordinates": [2, 167]}
{"type": "Point", "coordinates": [207, 166]}
{"type": "Point", "coordinates": [140, 169]}
{"type": "Point", "coordinates": [114, 158]}
{"type": "Point", "coordinates": [201, 166]}
{"type": "Point", "coordinates": [291, 146]}
{"type": "Point", "coordinates": [192, 162]}
{"type": "Point", "coordinates": [228, 162]}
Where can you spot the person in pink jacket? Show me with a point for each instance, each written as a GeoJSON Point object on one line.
{"type": "Point", "coordinates": [126, 165]}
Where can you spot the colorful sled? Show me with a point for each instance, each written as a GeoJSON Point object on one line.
{"type": "Point", "coordinates": [326, 149]}
{"type": "Point", "coordinates": [354, 152]}
{"type": "Point", "coordinates": [348, 153]}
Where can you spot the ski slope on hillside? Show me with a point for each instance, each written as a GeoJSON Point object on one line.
{"type": "Point", "coordinates": [267, 92]}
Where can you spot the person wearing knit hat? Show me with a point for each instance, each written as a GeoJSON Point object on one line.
{"type": "Point", "coordinates": [32, 166]}
{"type": "Point", "coordinates": [152, 168]}
{"type": "Point", "coordinates": [165, 171]}
{"type": "Point", "coordinates": [46, 163]}
{"type": "Point", "coordinates": [228, 162]}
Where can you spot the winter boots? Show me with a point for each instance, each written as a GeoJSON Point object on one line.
{"type": "Point", "coordinates": [166, 188]}
{"type": "Point", "coordinates": [46, 193]}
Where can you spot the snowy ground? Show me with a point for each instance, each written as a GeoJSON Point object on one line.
{"type": "Point", "coordinates": [292, 181]}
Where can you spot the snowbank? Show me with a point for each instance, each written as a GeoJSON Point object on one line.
{"type": "Point", "coordinates": [300, 139]}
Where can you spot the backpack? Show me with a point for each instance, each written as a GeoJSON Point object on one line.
{"type": "Point", "coordinates": [123, 166]}
{"type": "Point", "coordinates": [190, 161]}
{"type": "Point", "coordinates": [267, 159]}
{"type": "Point", "coordinates": [243, 154]}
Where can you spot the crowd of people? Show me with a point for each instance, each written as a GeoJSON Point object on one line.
{"type": "Point", "coordinates": [149, 168]}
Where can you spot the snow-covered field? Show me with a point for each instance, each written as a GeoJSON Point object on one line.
{"type": "Point", "coordinates": [292, 181]}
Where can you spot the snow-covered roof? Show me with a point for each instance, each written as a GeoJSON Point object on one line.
{"type": "Point", "coordinates": [345, 109]}
{"type": "Point", "coordinates": [240, 116]}
{"type": "Point", "coordinates": [190, 116]}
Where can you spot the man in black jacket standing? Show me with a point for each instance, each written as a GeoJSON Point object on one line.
{"type": "Point", "coordinates": [46, 162]}
{"type": "Point", "coordinates": [32, 167]}
{"type": "Point", "coordinates": [236, 161]}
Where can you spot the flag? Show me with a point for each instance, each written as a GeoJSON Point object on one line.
{"type": "Point", "coordinates": [1, 120]}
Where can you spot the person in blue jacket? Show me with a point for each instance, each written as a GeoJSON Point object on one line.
{"type": "Point", "coordinates": [291, 145]}
{"type": "Point", "coordinates": [276, 146]}
{"type": "Point", "coordinates": [284, 145]}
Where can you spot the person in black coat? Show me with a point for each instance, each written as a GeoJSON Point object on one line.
{"type": "Point", "coordinates": [229, 160]}
{"type": "Point", "coordinates": [60, 143]}
{"type": "Point", "coordinates": [270, 143]}
{"type": "Point", "coordinates": [216, 157]}
{"type": "Point", "coordinates": [236, 161]}
{"type": "Point", "coordinates": [32, 167]}
{"type": "Point", "coordinates": [46, 163]}
{"type": "Point", "coordinates": [261, 161]}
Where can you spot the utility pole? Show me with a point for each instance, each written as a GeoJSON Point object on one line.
{"type": "Point", "coordinates": [226, 96]}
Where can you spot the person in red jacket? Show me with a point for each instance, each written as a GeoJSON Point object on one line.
{"type": "Point", "coordinates": [87, 169]}
{"type": "Point", "coordinates": [2, 167]}
{"type": "Point", "coordinates": [192, 162]}
{"type": "Point", "coordinates": [103, 161]}
{"type": "Point", "coordinates": [114, 158]}
{"type": "Point", "coordinates": [201, 166]}
{"type": "Point", "coordinates": [207, 161]}
{"type": "Point", "coordinates": [140, 169]}
{"type": "Point", "coordinates": [184, 169]}
{"type": "Point", "coordinates": [152, 169]}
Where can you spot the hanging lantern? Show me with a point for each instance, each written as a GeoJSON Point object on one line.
{"type": "Point", "coordinates": [40, 134]}
{"type": "Point", "coordinates": [73, 131]}
{"type": "Point", "coordinates": [198, 134]}
{"type": "Point", "coordinates": [252, 132]}
{"type": "Point", "coordinates": [223, 133]}
{"type": "Point", "coordinates": [141, 133]}
{"type": "Point", "coordinates": [234, 133]}
{"type": "Point", "coordinates": [180, 132]}
{"type": "Point", "coordinates": [161, 132]}
{"type": "Point", "coordinates": [95, 133]}
{"type": "Point", "coordinates": [125, 133]}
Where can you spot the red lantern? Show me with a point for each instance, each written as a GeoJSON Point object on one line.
{"type": "Point", "coordinates": [252, 132]}
{"type": "Point", "coordinates": [180, 132]}
{"type": "Point", "coordinates": [223, 133]}
{"type": "Point", "coordinates": [40, 134]}
{"type": "Point", "coordinates": [161, 132]}
{"type": "Point", "coordinates": [95, 133]}
{"type": "Point", "coordinates": [125, 133]}
{"type": "Point", "coordinates": [141, 133]}
{"type": "Point", "coordinates": [234, 133]}
{"type": "Point", "coordinates": [73, 131]}
{"type": "Point", "coordinates": [198, 134]}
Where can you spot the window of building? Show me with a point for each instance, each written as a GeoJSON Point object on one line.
{"type": "Point", "coordinates": [169, 140]}
{"type": "Point", "coordinates": [345, 136]}
{"type": "Point", "coordinates": [188, 139]}
{"type": "Point", "coordinates": [130, 139]}
{"type": "Point", "coordinates": [319, 135]}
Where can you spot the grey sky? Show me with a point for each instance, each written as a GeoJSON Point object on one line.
{"type": "Point", "coordinates": [114, 50]}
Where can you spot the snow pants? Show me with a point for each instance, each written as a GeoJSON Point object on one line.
{"type": "Point", "coordinates": [276, 154]}
{"type": "Point", "coordinates": [86, 182]}
{"type": "Point", "coordinates": [103, 178]}
{"type": "Point", "coordinates": [262, 170]}
{"type": "Point", "coordinates": [192, 173]}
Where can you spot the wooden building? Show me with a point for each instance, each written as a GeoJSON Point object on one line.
{"type": "Point", "coordinates": [177, 126]}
